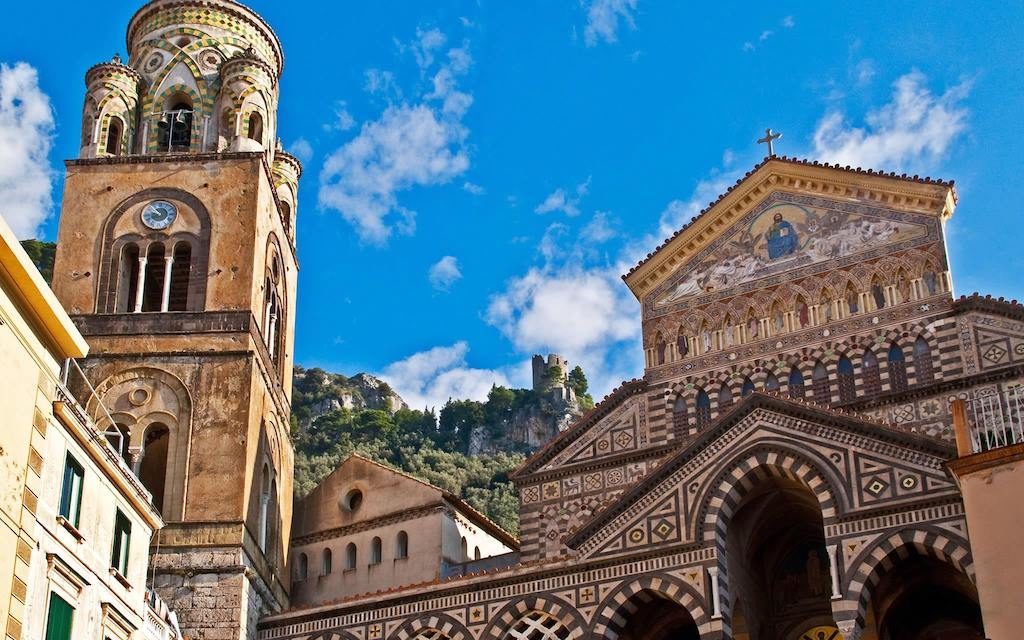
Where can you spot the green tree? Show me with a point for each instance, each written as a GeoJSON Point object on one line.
{"type": "Point", "coordinates": [553, 377]}
{"type": "Point", "coordinates": [578, 381]}
{"type": "Point", "coordinates": [458, 419]}
{"type": "Point", "coordinates": [42, 255]}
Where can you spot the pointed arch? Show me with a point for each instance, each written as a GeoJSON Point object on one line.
{"type": "Point", "coordinates": [846, 379]}
{"type": "Point", "coordinates": [724, 397]}
{"type": "Point", "coordinates": [796, 383]}
{"type": "Point", "coordinates": [659, 349]}
{"type": "Point", "coordinates": [747, 388]}
{"type": "Point", "coordinates": [680, 416]}
{"type": "Point", "coordinates": [821, 388]}
{"type": "Point", "coordinates": [617, 606]}
{"type": "Point", "coordinates": [871, 377]}
{"type": "Point", "coordinates": [703, 409]}
{"type": "Point", "coordinates": [897, 367]}
{"type": "Point", "coordinates": [924, 371]}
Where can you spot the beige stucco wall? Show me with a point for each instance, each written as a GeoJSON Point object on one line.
{"type": "Point", "coordinates": [29, 371]}
{"type": "Point", "coordinates": [995, 511]}
{"type": "Point", "coordinates": [90, 558]}
{"type": "Point", "coordinates": [421, 565]}
{"type": "Point", "coordinates": [455, 527]}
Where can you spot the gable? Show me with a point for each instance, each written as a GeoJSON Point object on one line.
{"type": "Point", "coordinates": [792, 234]}
{"type": "Point", "coordinates": [862, 467]}
{"type": "Point", "coordinates": [384, 492]}
{"type": "Point", "coordinates": [623, 430]}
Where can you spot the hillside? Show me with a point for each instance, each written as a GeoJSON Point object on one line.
{"type": "Point", "coordinates": [468, 448]}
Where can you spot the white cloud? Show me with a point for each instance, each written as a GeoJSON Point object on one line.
{"type": "Point", "coordinates": [748, 47]}
{"type": "Point", "coordinates": [916, 126]}
{"type": "Point", "coordinates": [765, 35]}
{"type": "Point", "coordinates": [429, 378]}
{"type": "Point", "coordinates": [418, 143]}
{"type": "Point", "coordinates": [603, 18]}
{"type": "Point", "coordinates": [301, 149]}
{"type": "Point", "coordinates": [444, 273]}
{"type": "Point", "coordinates": [560, 200]}
{"type": "Point", "coordinates": [788, 22]}
{"type": "Point", "coordinates": [474, 189]}
{"type": "Point", "coordinates": [598, 230]}
{"type": "Point", "coordinates": [26, 134]}
{"type": "Point", "coordinates": [343, 120]}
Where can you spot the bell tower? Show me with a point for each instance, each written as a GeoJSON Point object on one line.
{"type": "Point", "coordinates": [176, 259]}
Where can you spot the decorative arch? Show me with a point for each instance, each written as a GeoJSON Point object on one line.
{"type": "Point", "coordinates": [767, 459]}
{"type": "Point", "coordinates": [502, 622]}
{"type": "Point", "coordinates": [617, 605]}
{"type": "Point", "coordinates": [447, 628]}
{"type": "Point", "coordinates": [110, 251]}
{"type": "Point", "coordinates": [873, 562]}
{"type": "Point", "coordinates": [150, 397]}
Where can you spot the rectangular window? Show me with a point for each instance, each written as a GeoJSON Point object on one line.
{"type": "Point", "coordinates": [58, 619]}
{"type": "Point", "coordinates": [71, 491]}
{"type": "Point", "coordinates": [122, 538]}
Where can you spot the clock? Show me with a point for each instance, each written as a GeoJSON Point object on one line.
{"type": "Point", "coordinates": [159, 214]}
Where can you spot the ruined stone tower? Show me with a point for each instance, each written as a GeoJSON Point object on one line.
{"type": "Point", "coordinates": [177, 261]}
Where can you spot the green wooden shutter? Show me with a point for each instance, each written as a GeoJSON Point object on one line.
{"type": "Point", "coordinates": [122, 538]}
{"type": "Point", "coordinates": [59, 618]}
{"type": "Point", "coordinates": [71, 491]}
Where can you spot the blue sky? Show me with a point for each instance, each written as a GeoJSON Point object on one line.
{"type": "Point", "coordinates": [479, 174]}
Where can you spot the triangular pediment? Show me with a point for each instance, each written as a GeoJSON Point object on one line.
{"type": "Point", "coordinates": [789, 214]}
{"type": "Point", "coordinates": [787, 232]}
{"type": "Point", "coordinates": [866, 465]}
{"type": "Point", "coordinates": [616, 426]}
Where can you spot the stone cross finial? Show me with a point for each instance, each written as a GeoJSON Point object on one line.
{"type": "Point", "coordinates": [769, 137]}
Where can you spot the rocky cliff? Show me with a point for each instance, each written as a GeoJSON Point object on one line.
{"type": "Point", "coordinates": [316, 392]}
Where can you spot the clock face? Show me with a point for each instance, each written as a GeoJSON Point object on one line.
{"type": "Point", "coordinates": [159, 214]}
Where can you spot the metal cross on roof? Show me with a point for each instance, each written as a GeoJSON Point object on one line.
{"type": "Point", "coordinates": [769, 137]}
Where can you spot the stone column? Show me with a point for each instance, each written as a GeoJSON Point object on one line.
{"type": "Point", "coordinates": [165, 297]}
{"type": "Point", "coordinates": [833, 568]}
{"type": "Point", "coordinates": [716, 601]}
{"type": "Point", "coordinates": [140, 286]}
{"type": "Point", "coordinates": [849, 629]}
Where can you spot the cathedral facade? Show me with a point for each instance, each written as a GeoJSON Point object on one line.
{"type": "Point", "coordinates": [779, 471]}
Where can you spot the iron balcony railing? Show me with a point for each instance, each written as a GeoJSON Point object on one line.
{"type": "Point", "coordinates": [996, 420]}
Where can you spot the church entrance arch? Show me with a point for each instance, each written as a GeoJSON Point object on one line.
{"type": "Point", "coordinates": [654, 617]}
{"type": "Point", "coordinates": [776, 562]}
{"type": "Point", "coordinates": [920, 597]}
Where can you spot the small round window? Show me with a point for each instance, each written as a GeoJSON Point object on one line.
{"type": "Point", "coordinates": [353, 499]}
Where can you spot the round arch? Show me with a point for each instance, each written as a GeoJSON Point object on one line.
{"type": "Point", "coordinates": [152, 396]}
{"type": "Point", "coordinates": [110, 249]}
{"type": "Point", "coordinates": [445, 625]}
{"type": "Point", "coordinates": [873, 562]}
{"type": "Point", "coordinates": [515, 610]}
{"type": "Point", "coordinates": [614, 609]}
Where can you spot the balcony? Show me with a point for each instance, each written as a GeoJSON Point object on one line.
{"type": "Point", "coordinates": [989, 422]}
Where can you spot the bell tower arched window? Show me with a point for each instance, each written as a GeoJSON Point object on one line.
{"type": "Point", "coordinates": [771, 383]}
{"type": "Point", "coordinates": [255, 131]}
{"type": "Point", "coordinates": [115, 132]}
{"type": "Point", "coordinates": [174, 128]}
{"type": "Point", "coordinates": [153, 285]}
{"type": "Point", "coordinates": [181, 272]}
{"type": "Point", "coordinates": [127, 278]}
{"type": "Point", "coordinates": [153, 468]}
